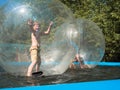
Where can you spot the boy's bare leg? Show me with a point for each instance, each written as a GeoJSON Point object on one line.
{"type": "Point", "coordinates": [72, 66]}
{"type": "Point", "coordinates": [82, 65]}
{"type": "Point", "coordinates": [37, 66]}
{"type": "Point", "coordinates": [30, 68]}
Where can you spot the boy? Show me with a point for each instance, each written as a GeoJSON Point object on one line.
{"type": "Point", "coordinates": [80, 61]}
{"type": "Point", "coordinates": [35, 45]}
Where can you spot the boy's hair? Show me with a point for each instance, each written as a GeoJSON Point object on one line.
{"type": "Point", "coordinates": [36, 23]}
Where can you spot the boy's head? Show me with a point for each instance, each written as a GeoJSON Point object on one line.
{"type": "Point", "coordinates": [36, 25]}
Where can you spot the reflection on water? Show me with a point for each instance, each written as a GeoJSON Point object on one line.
{"type": "Point", "coordinates": [70, 76]}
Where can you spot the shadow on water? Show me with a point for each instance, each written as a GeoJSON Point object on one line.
{"type": "Point", "coordinates": [70, 76]}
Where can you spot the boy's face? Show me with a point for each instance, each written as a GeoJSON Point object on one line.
{"type": "Point", "coordinates": [36, 26]}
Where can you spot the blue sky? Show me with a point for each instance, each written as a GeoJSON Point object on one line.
{"type": "Point", "coordinates": [3, 2]}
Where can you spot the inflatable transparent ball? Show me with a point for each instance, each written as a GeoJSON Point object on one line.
{"type": "Point", "coordinates": [86, 38]}
{"type": "Point", "coordinates": [88, 41]}
{"type": "Point", "coordinates": [15, 36]}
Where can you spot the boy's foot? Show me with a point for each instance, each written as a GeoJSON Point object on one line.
{"type": "Point", "coordinates": [72, 66]}
{"type": "Point", "coordinates": [84, 66]}
{"type": "Point", "coordinates": [29, 74]}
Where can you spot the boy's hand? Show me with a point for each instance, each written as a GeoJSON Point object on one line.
{"type": "Point", "coordinates": [30, 22]}
{"type": "Point", "coordinates": [51, 23]}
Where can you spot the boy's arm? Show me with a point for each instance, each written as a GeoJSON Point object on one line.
{"type": "Point", "coordinates": [49, 28]}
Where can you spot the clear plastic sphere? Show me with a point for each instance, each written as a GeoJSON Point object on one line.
{"type": "Point", "coordinates": [90, 42]}
{"type": "Point", "coordinates": [86, 38]}
{"type": "Point", "coordinates": [15, 36]}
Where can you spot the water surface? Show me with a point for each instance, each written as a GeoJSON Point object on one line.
{"type": "Point", "coordinates": [70, 76]}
